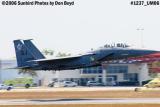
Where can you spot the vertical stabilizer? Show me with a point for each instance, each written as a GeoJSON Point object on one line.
{"type": "Point", "coordinates": [35, 52]}
{"type": "Point", "coordinates": [22, 53]}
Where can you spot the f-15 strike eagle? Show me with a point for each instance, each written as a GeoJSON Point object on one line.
{"type": "Point", "coordinates": [29, 57]}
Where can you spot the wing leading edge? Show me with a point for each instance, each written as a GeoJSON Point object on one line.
{"type": "Point", "coordinates": [68, 58]}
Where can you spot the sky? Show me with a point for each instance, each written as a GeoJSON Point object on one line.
{"type": "Point", "coordinates": [78, 28]}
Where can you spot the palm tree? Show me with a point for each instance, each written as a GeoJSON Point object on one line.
{"type": "Point", "coordinates": [27, 71]}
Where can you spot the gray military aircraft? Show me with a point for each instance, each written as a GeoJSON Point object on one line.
{"type": "Point", "coordinates": [29, 57]}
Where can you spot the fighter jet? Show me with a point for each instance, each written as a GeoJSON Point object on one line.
{"type": "Point", "coordinates": [29, 57]}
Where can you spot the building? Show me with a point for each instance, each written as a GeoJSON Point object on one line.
{"type": "Point", "coordinates": [116, 74]}
{"type": "Point", "coordinates": [120, 74]}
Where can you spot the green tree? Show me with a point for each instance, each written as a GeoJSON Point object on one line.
{"type": "Point", "coordinates": [151, 65]}
{"type": "Point", "coordinates": [62, 54]}
{"type": "Point", "coordinates": [48, 52]}
{"type": "Point", "coordinates": [27, 71]}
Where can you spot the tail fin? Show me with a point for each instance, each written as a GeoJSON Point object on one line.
{"type": "Point", "coordinates": [26, 52]}
{"type": "Point", "coordinates": [36, 53]}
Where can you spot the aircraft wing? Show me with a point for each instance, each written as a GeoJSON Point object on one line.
{"type": "Point", "coordinates": [24, 67]}
{"type": "Point", "coordinates": [68, 58]}
{"type": "Point", "coordinates": [56, 59]}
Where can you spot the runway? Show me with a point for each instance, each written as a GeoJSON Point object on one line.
{"type": "Point", "coordinates": [80, 101]}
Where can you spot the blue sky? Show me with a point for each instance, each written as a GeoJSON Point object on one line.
{"type": "Point", "coordinates": [76, 29]}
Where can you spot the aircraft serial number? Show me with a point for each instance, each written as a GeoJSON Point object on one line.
{"type": "Point", "coordinates": [145, 3]}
